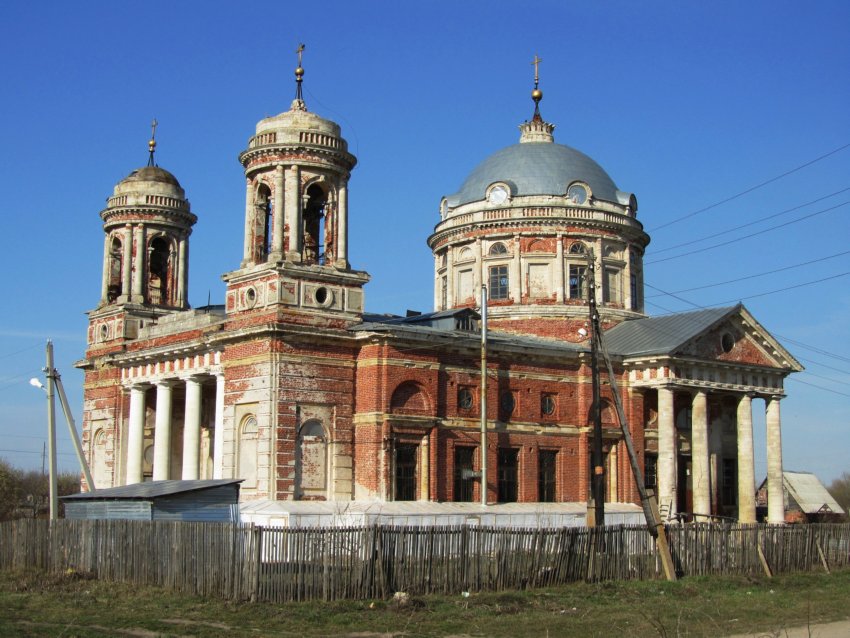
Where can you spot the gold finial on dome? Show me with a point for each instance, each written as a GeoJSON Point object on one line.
{"type": "Point", "coordinates": [298, 102]}
{"type": "Point", "coordinates": [536, 94]}
{"type": "Point", "coordinates": [152, 143]}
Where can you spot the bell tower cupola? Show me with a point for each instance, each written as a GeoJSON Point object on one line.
{"type": "Point", "coordinates": [147, 223]}
{"type": "Point", "coordinates": [295, 251]}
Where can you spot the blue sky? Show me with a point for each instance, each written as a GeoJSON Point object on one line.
{"type": "Point", "coordinates": [685, 104]}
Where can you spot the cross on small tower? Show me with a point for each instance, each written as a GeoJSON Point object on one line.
{"type": "Point", "coordinates": [536, 62]}
{"type": "Point", "coordinates": [299, 75]}
{"type": "Point", "coordinates": [152, 142]}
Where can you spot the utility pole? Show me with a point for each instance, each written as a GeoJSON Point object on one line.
{"type": "Point", "coordinates": [483, 400]}
{"type": "Point", "coordinates": [597, 480]}
{"type": "Point", "coordinates": [51, 432]}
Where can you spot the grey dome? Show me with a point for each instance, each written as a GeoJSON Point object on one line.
{"type": "Point", "coordinates": [536, 168]}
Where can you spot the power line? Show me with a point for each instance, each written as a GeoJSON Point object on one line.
{"type": "Point", "coordinates": [760, 232]}
{"type": "Point", "coordinates": [751, 189]}
{"type": "Point", "coordinates": [826, 353]}
{"type": "Point", "coordinates": [752, 223]}
{"type": "Point", "coordinates": [820, 387]}
{"type": "Point", "coordinates": [762, 274]}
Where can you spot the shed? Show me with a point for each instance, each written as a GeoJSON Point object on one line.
{"type": "Point", "coordinates": [806, 499]}
{"type": "Point", "coordinates": [208, 500]}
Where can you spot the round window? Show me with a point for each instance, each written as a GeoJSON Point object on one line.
{"type": "Point", "coordinates": [577, 194]}
{"type": "Point", "coordinates": [104, 332]}
{"type": "Point", "coordinates": [323, 296]}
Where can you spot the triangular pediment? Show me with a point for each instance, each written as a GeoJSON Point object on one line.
{"type": "Point", "coordinates": [737, 338]}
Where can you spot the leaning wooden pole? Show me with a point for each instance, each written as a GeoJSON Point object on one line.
{"type": "Point", "coordinates": [647, 499]}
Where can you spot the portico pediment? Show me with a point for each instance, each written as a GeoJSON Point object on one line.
{"type": "Point", "coordinates": [723, 335]}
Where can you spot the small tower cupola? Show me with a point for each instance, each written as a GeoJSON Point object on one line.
{"type": "Point", "coordinates": [297, 167]}
{"type": "Point", "coordinates": [147, 223]}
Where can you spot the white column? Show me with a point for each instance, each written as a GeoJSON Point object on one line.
{"type": "Point", "coordinates": [560, 276]}
{"type": "Point", "coordinates": [479, 274]}
{"type": "Point", "coordinates": [516, 273]}
{"type": "Point", "coordinates": [138, 295]}
{"type": "Point", "coordinates": [666, 451]}
{"type": "Point", "coordinates": [613, 475]}
{"type": "Point", "coordinates": [107, 265]}
{"type": "Point", "coordinates": [127, 264]}
{"type": "Point", "coordinates": [182, 270]}
{"type": "Point", "coordinates": [278, 220]}
{"type": "Point", "coordinates": [746, 462]}
{"type": "Point", "coordinates": [292, 206]}
{"type": "Point", "coordinates": [218, 437]}
{"type": "Point", "coordinates": [136, 434]}
{"type": "Point", "coordinates": [450, 279]}
{"type": "Point", "coordinates": [162, 433]}
{"type": "Point", "coordinates": [700, 473]}
{"type": "Point", "coordinates": [775, 496]}
{"type": "Point", "coordinates": [342, 229]}
{"type": "Point", "coordinates": [192, 430]}
{"type": "Point", "coordinates": [247, 249]}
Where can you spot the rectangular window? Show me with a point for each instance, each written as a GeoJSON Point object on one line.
{"type": "Point", "coordinates": [650, 471]}
{"type": "Point", "coordinates": [730, 482]}
{"type": "Point", "coordinates": [546, 476]}
{"type": "Point", "coordinates": [499, 282]}
{"type": "Point", "coordinates": [578, 282]}
{"type": "Point", "coordinates": [464, 482]}
{"type": "Point", "coordinates": [405, 472]}
{"type": "Point", "coordinates": [611, 286]}
{"type": "Point", "coordinates": [444, 292]}
{"type": "Point", "coordinates": [507, 475]}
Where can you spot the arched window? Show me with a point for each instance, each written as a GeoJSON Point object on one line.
{"type": "Point", "coordinates": [159, 271]}
{"type": "Point", "coordinates": [246, 467]}
{"type": "Point", "coordinates": [578, 248]}
{"type": "Point", "coordinates": [311, 460]}
{"type": "Point", "coordinates": [498, 249]}
{"type": "Point", "coordinates": [314, 225]}
{"type": "Point", "coordinates": [410, 398]}
{"type": "Point", "coordinates": [116, 262]}
{"type": "Point", "coordinates": [262, 223]}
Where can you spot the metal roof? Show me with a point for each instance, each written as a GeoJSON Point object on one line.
{"type": "Point", "coordinates": [151, 489]}
{"type": "Point", "coordinates": [809, 493]}
{"type": "Point", "coordinates": [536, 168]}
{"type": "Point", "coordinates": [662, 335]}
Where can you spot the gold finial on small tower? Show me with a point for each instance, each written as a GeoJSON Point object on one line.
{"type": "Point", "coordinates": [152, 143]}
{"type": "Point", "coordinates": [298, 103]}
{"type": "Point", "coordinates": [536, 94]}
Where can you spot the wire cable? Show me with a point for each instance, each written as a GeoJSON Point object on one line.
{"type": "Point", "coordinates": [752, 223]}
{"type": "Point", "coordinates": [743, 237]}
{"type": "Point", "coordinates": [751, 189]}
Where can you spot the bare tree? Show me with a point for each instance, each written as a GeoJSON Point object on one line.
{"type": "Point", "coordinates": [840, 490]}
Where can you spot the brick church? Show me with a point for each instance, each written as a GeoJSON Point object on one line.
{"type": "Point", "coordinates": [293, 387]}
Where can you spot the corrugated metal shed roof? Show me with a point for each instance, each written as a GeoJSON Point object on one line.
{"type": "Point", "coordinates": [809, 493]}
{"type": "Point", "coordinates": [152, 489]}
{"type": "Point", "coordinates": [662, 335]}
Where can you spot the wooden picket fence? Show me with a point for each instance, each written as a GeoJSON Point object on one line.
{"type": "Point", "coordinates": [281, 564]}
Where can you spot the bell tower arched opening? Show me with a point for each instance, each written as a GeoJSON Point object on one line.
{"type": "Point", "coordinates": [116, 263]}
{"type": "Point", "coordinates": [262, 223]}
{"type": "Point", "coordinates": [159, 273]}
{"type": "Point", "coordinates": [315, 205]}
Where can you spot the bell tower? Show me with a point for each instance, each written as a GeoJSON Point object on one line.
{"type": "Point", "coordinates": [295, 251]}
{"type": "Point", "coordinates": [147, 222]}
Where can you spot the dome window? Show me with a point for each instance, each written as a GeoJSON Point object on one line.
{"type": "Point", "coordinates": [498, 194]}
{"type": "Point", "coordinates": [577, 194]}
{"type": "Point", "coordinates": [498, 249]}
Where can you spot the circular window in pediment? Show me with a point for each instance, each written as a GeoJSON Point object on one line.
{"type": "Point", "coordinates": [727, 341]}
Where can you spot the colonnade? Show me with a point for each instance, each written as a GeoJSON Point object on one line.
{"type": "Point", "coordinates": [701, 471]}
{"type": "Point", "coordinates": [163, 423]}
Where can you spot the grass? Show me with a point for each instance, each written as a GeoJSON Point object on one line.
{"type": "Point", "coordinates": [34, 603]}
